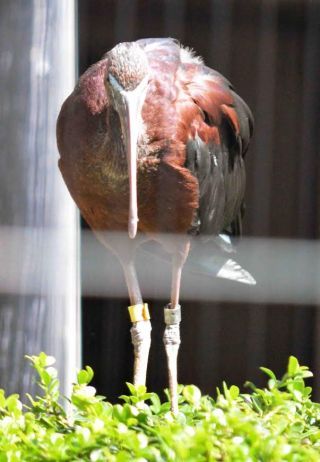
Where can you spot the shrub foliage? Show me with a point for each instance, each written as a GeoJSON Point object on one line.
{"type": "Point", "coordinates": [276, 423]}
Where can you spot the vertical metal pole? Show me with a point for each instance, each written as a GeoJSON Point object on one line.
{"type": "Point", "coordinates": [37, 68]}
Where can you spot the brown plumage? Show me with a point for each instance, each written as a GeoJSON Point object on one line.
{"type": "Point", "coordinates": [182, 144]}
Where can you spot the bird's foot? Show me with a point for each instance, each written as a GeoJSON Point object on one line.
{"type": "Point", "coordinates": [171, 340]}
{"type": "Point", "coordinates": [141, 340]}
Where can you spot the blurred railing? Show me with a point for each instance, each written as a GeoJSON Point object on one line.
{"type": "Point", "coordinates": [287, 271]}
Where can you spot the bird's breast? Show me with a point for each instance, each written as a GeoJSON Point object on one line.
{"type": "Point", "coordinates": [167, 197]}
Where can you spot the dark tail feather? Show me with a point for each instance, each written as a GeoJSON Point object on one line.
{"type": "Point", "coordinates": [222, 268]}
{"type": "Point", "coordinates": [211, 257]}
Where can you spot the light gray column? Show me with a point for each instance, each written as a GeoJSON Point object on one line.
{"type": "Point", "coordinates": [39, 224]}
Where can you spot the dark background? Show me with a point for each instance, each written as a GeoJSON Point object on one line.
{"type": "Point", "coordinates": [270, 52]}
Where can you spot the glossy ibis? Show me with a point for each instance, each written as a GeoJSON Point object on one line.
{"type": "Point", "coordinates": [152, 141]}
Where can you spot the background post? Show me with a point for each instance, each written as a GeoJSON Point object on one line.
{"type": "Point", "coordinates": [39, 295]}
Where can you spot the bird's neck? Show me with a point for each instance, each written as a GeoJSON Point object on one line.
{"type": "Point", "coordinates": [116, 158]}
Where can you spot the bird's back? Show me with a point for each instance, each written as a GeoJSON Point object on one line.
{"type": "Point", "coordinates": [212, 124]}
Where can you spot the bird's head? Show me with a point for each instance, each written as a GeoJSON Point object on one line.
{"type": "Point", "coordinates": [126, 83]}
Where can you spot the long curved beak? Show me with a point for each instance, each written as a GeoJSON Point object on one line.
{"type": "Point", "coordinates": [131, 140]}
{"type": "Point", "coordinates": [131, 122]}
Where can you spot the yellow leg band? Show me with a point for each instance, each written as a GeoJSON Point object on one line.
{"type": "Point", "coordinates": [139, 312]}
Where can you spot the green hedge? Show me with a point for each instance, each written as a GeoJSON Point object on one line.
{"type": "Point", "coordinates": [276, 423]}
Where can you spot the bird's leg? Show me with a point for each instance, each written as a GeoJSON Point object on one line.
{"type": "Point", "coordinates": [125, 249]}
{"type": "Point", "coordinates": [172, 317]}
{"type": "Point", "coordinates": [141, 325]}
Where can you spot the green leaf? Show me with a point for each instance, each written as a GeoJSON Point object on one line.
{"type": "Point", "coordinates": [234, 391]}
{"type": "Point", "coordinates": [156, 403]}
{"type": "Point", "coordinates": [293, 366]}
{"type": "Point", "coordinates": [306, 374]}
{"type": "Point", "coordinates": [131, 388]}
{"type": "Point", "coordinates": [2, 399]}
{"type": "Point", "coordinates": [85, 376]}
{"type": "Point", "coordinates": [118, 412]}
{"type": "Point", "coordinates": [192, 394]}
{"type": "Point", "coordinates": [141, 390]}
{"type": "Point", "coordinates": [269, 373]}
{"type": "Point", "coordinates": [13, 404]}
